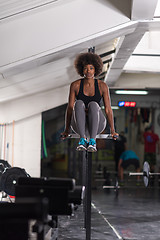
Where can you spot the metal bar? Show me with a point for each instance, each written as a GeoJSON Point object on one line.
{"type": "Point", "coordinates": [136, 174]}
{"type": "Point", "coordinates": [153, 174]}
{"type": "Point", "coordinates": [88, 194]}
{"type": "Point", "coordinates": [99, 136]}
{"type": "Point", "coordinates": [84, 184]}
{"type": "Point", "coordinates": [69, 159]}
{"type": "Point", "coordinates": [111, 187]}
{"type": "Point", "coordinates": [143, 174]}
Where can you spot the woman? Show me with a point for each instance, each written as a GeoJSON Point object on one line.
{"type": "Point", "coordinates": [83, 112]}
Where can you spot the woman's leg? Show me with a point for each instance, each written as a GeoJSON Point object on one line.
{"type": "Point", "coordinates": [79, 118]}
{"type": "Point", "coordinates": [96, 119]}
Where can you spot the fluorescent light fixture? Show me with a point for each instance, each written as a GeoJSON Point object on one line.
{"type": "Point", "coordinates": [114, 107]}
{"type": "Point", "coordinates": [134, 92]}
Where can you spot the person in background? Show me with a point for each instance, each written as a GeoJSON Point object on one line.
{"type": "Point", "coordinates": [128, 158]}
{"type": "Point", "coordinates": [84, 114]}
{"type": "Point", "coordinates": [151, 147]}
{"type": "Point", "coordinates": [119, 147]}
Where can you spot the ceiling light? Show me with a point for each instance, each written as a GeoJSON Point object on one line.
{"type": "Point", "coordinates": [134, 92]}
{"type": "Point", "coordinates": [114, 107]}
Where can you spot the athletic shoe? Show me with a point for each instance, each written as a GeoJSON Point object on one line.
{"type": "Point", "coordinates": [82, 145]}
{"type": "Point", "coordinates": [92, 145]}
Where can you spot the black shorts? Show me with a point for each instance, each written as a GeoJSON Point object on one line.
{"type": "Point", "coordinates": [150, 158]}
{"type": "Point", "coordinates": [134, 162]}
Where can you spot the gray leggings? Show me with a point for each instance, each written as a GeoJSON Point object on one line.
{"type": "Point", "coordinates": [87, 125]}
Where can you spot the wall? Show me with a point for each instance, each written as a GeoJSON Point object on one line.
{"type": "Point", "coordinates": [34, 104]}
{"type": "Point", "coordinates": [23, 144]}
{"type": "Point", "coordinates": [26, 113]}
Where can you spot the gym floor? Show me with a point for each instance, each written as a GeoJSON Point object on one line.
{"type": "Point", "coordinates": [134, 214]}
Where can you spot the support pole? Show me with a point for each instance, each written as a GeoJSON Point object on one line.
{"type": "Point", "coordinates": [87, 181]}
{"type": "Point", "coordinates": [88, 185]}
{"type": "Point", "coordinates": [88, 194]}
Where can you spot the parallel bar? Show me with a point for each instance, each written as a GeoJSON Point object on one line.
{"type": "Point", "coordinates": [99, 136]}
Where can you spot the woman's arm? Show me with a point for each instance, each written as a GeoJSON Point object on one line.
{"type": "Point", "coordinates": [108, 109]}
{"type": "Point", "coordinates": [69, 110]}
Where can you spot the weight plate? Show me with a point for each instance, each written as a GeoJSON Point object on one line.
{"type": "Point", "coordinates": [9, 179]}
{"type": "Point", "coordinates": [5, 163]}
{"type": "Point", "coordinates": [3, 166]}
{"type": "Point", "coordinates": [146, 170]}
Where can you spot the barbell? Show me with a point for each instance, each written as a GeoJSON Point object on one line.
{"type": "Point", "coordinates": [146, 174]}
{"type": "Point", "coordinates": [115, 187]}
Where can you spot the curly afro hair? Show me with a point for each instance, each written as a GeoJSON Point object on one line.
{"type": "Point", "coordinates": [84, 59]}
